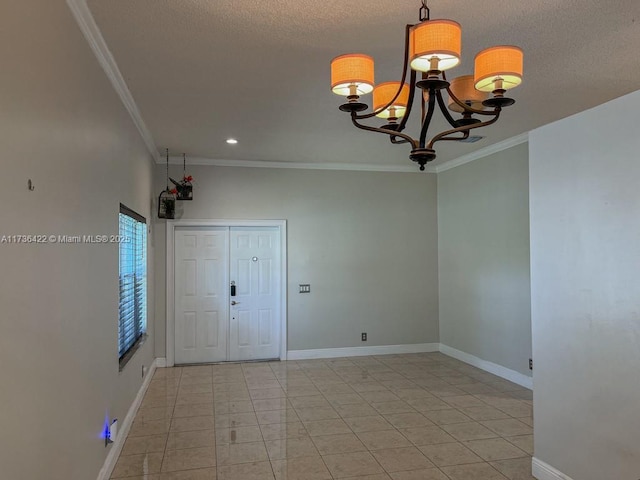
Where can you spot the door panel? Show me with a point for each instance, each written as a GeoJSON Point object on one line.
{"type": "Point", "coordinates": [201, 295]}
{"type": "Point", "coordinates": [254, 330]}
{"type": "Point", "coordinates": [244, 328]}
{"type": "Point", "coordinates": [265, 278]}
{"type": "Point", "coordinates": [265, 326]}
{"type": "Point", "coordinates": [189, 331]}
{"type": "Point", "coordinates": [207, 327]}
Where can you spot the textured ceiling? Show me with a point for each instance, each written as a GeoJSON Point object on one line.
{"type": "Point", "coordinates": [205, 70]}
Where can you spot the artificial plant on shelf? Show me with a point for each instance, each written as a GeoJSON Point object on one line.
{"type": "Point", "coordinates": [184, 188]}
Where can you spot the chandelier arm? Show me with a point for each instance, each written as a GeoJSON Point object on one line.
{"type": "Point", "coordinates": [463, 129]}
{"type": "Point", "coordinates": [467, 108]}
{"type": "Point", "coordinates": [464, 136]}
{"type": "Point", "coordinates": [392, 133]}
{"type": "Point", "coordinates": [404, 76]}
{"type": "Point", "coordinates": [427, 120]}
{"type": "Point", "coordinates": [412, 94]}
{"type": "Point", "coordinates": [395, 141]}
{"type": "Point", "coordinates": [444, 110]}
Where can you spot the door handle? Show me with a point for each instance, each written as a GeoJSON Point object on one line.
{"type": "Point", "coordinates": [233, 302]}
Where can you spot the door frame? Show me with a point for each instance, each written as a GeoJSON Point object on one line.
{"type": "Point", "coordinates": [170, 274]}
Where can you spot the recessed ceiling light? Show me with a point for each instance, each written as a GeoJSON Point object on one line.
{"type": "Point", "coordinates": [232, 141]}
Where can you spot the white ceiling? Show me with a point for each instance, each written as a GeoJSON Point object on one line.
{"type": "Point", "coordinates": [201, 71]}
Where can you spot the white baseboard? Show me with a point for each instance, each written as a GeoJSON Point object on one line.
{"type": "Point", "coordinates": [361, 351]}
{"type": "Point", "coordinates": [125, 426]}
{"type": "Point", "coordinates": [499, 370]}
{"type": "Point", "coordinates": [544, 471]}
{"type": "Point", "coordinates": [494, 368]}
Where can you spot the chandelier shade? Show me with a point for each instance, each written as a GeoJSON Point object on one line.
{"type": "Point", "coordinates": [498, 68]}
{"type": "Point", "coordinates": [352, 74]}
{"type": "Point", "coordinates": [435, 45]}
{"type": "Point", "coordinates": [464, 90]}
{"type": "Point", "coordinates": [383, 98]}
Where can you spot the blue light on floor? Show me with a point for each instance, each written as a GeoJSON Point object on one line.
{"type": "Point", "coordinates": [104, 435]}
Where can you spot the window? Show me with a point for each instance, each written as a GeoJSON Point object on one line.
{"type": "Point", "coordinates": [133, 282]}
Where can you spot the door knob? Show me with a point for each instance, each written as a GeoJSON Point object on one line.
{"type": "Point", "coordinates": [233, 302]}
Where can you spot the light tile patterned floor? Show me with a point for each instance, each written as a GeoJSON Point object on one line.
{"type": "Point", "coordinates": [393, 417]}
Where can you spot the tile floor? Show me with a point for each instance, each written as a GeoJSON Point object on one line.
{"type": "Point", "coordinates": [392, 417]}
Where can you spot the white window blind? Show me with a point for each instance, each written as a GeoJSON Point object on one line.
{"type": "Point", "coordinates": [133, 279]}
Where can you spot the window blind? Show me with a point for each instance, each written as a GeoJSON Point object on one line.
{"type": "Point", "coordinates": [132, 322]}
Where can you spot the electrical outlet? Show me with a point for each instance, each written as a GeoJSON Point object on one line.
{"type": "Point", "coordinates": [531, 364]}
{"type": "Point", "coordinates": [364, 336]}
{"type": "Point", "coordinates": [110, 432]}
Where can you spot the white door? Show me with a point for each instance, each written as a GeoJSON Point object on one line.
{"type": "Point", "coordinates": [211, 325]}
{"type": "Point", "coordinates": [254, 331]}
{"type": "Point", "coordinates": [201, 298]}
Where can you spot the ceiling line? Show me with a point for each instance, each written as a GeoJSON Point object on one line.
{"type": "Point", "coordinates": [483, 152]}
{"type": "Point", "coordinates": [358, 167]}
{"type": "Point", "coordinates": [96, 42]}
{"type": "Point", "coordinates": [364, 167]}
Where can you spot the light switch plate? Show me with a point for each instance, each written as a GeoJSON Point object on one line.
{"type": "Point", "coordinates": [305, 288]}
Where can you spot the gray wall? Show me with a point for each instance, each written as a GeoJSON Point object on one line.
{"type": "Point", "coordinates": [585, 260]}
{"type": "Point", "coordinates": [365, 241]}
{"type": "Point", "coordinates": [483, 225]}
{"type": "Point", "coordinates": [62, 125]}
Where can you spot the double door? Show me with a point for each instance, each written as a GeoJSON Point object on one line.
{"type": "Point", "coordinates": [227, 294]}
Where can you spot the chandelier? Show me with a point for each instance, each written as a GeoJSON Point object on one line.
{"type": "Point", "coordinates": [430, 47]}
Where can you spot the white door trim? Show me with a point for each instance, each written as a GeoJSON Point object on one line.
{"type": "Point", "coordinates": [170, 291]}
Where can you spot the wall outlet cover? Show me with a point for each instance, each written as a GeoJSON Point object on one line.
{"type": "Point", "coordinates": [113, 430]}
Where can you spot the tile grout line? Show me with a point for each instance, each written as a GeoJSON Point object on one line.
{"type": "Point", "coordinates": [264, 442]}
{"type": "Point", "coordinates": [398, 365]}
{"type": "Point", "coordinates": [173, 410]}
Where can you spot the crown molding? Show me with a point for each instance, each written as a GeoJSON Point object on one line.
{"type": "Point", "coordinates": [96, 41]}
{"type": "Point", "coordinates": [483, 152]}
{"type": "Point", "coordinates": [357, 167]}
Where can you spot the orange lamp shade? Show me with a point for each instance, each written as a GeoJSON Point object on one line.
{"type": "Point", "coordinates": [352, 74]}
{"type": "Point", "coordinates": [498, 68]}
{"type": "Point", "coordinates": [384, 93]}
{"type": "Point", "coordinates": [435, 45]}
{"type": "Point", "coordinates": [464, 90]}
